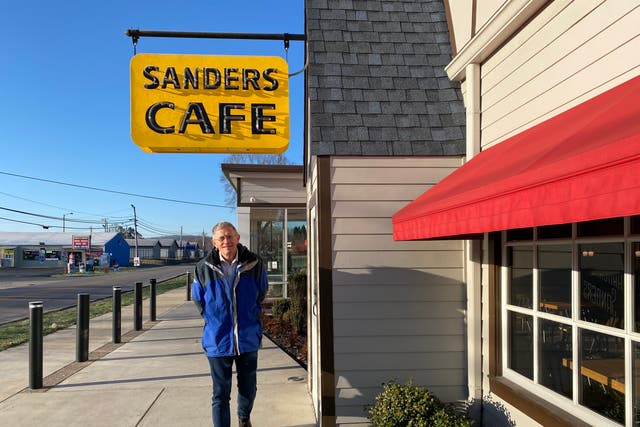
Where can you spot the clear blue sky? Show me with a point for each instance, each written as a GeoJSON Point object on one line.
{"type": "Point", "coordinates": [64, 111]}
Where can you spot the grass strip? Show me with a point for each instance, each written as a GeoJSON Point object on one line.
{"type": "Point", "coordinates": [16, 333]}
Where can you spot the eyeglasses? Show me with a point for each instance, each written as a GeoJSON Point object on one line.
{"type": "Point", "coordinates": [229, 237]}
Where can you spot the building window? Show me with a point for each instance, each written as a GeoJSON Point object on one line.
{"type": "Point", "coordinates": [279, 236]}
{"type": "Point", "coordinates": [570, 325]}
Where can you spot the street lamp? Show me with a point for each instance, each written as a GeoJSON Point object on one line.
{"type": "Point", "coordinates": [63, 221]}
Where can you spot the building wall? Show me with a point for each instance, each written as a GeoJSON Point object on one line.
{"type": "Point", "coordinates": [145, 252]}
{"type": "Point", "coordinates": [272, 191]}
{"type": "Point", "coordinates": [397, 306]}
{"type": "Point", "coordinates": [568, 53]}
{"type": "Point", "coordinates": [19, 261]}
{"type": "Point", "coordinates": [561, 56]}
{"type": "Point", "coordinates": [244, 224]}
{"type": "Point", "coordinates": [119, 250]}
{"type": "Point", "coordinates": [377, 96]}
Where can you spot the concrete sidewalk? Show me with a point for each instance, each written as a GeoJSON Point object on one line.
{"type": "Point", "coordinates": [157, 377]}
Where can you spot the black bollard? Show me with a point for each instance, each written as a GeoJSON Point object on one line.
{"type": "Point", "coordinates": [188, 286]}
{"type": "Point", "coordinates": [137, 307]}
{"type": "Point", "coordinates": [116, 323]}
{"type": "Point", "coordinates": [82, 328]}
{"type": "Point", "coordinates": [35, 344]}
{"type": "Point", "coordinates": [152, 299]}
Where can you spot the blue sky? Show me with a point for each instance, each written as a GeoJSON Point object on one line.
{"type": "Point", "coordinates": [64, 111]}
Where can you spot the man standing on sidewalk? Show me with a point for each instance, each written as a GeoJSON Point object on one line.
{"type": "Point", "coordinates": [229, 286]}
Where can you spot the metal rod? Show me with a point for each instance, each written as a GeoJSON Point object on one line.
{"type": "Point", "coordinates": [137, 307]}
{"type": "Point", "coordinates": [136, 34]}
{"type": "Point", "coordinates": [188, 286]}
{"type": "Point", "coordinates": [82, 328]}
{"type": "Point", "coordinates": [116, 324]}
{"type": "Point", "coordinates": [35, 344]}
{"type": "Point", "coordinates": [152, 299]}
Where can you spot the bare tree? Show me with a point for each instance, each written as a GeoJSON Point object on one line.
{"type": "Point", "coordinates": [247, 159]}
{"type": "Point", "coordinates": [127, 233]}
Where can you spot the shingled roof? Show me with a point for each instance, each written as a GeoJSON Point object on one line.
{"type": "Point", "coordinates": [376, 79]}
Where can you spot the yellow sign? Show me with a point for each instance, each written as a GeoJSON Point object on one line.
{"type": "Point", "coordinates": [209, 104]}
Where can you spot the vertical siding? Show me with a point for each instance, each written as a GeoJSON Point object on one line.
{"type": "Point", "coordinates": [570, 52]}
{"type": "Point", "coordinates": [397, 306]}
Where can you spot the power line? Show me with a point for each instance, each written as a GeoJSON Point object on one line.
{"type": "Point", "coordinates": [33, 201]}
{"type": "Point", "coordinates": [85, 221]}
{"type": "Point", "coordinates": [57, 207]}
{"type": "Point", "coordinates": [114, 191]}
{"type": "Point", "coordinates": [43, 225]}
{"type": "Point", "coordinates": [32, 214]}
{"type": "Point", "coordinates": [154, 228]}
{"type": "Point", "coordinates": [150, 227]}
{"type": "Point", "coordinates": [25, 222]}
{"type": "Point", "coordinates": [146, 225]}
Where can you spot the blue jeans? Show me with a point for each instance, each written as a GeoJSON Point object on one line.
{"type": "Point", "coordinates": [246, 367]}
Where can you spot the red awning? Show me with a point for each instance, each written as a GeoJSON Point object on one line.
{"type": "Point", "coordinates": [580, 165]}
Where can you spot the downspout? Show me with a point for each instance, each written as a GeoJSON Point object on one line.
{"type": "Point", "coordinates": [473, 248]}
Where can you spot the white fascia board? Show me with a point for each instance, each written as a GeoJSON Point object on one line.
{"type": "Point", "coordinates": [502, 25]}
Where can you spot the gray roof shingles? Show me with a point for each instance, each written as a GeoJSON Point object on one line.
{"type": "Point", "coordinates": [377, 84]}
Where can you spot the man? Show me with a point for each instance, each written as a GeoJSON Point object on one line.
{"type": "Point", "coordinates": [228, 288]}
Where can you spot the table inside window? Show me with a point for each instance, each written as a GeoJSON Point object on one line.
{"type": "Point", "coordinates": [556, 307]}
{"type": "Point", "coordinates": [609, 372]}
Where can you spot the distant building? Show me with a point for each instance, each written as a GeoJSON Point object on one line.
{"type": "Point", "coordinates": [45, 249]}
{"type": "Point", "coordinates": [168, 248]}
{"type": "Point", "coordinates": [190, 250]}
{"type": "Point", "coordinates": [147, 248]}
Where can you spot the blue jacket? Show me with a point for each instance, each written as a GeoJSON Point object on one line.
{"type": "Point", "coordinates": [231, 311]}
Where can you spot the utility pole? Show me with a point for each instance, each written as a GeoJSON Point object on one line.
{"type": "Point", "coordinates": [135, 228]}
{"type": "Point", "coordinates": [63, 220]}
{"type": "Point", "coordinates": [180, 237]}
{"type": "Point", "coordinates": [90, 234]}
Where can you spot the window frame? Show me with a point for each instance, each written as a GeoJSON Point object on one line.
{"type": "Point", "coordinates": [283, 215]}
{"type": "Point", "coordinates": [516, 383]}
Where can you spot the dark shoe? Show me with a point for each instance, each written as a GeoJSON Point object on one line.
{"type": "Point", "coordinates": [244, 423]}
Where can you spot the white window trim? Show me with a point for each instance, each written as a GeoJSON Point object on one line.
{"type": "Point", "coordinates": [571, 406]}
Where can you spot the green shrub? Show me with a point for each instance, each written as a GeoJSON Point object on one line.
{"type": "Point", "coordinates": [447, 417]}
{"type": "Point", "coordinates": [279, 307]}
{"type": "Point", "coordinates": [297, 291]}
{"type": "Point", "coordinates": [411, 406]}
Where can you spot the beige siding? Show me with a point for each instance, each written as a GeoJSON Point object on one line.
{"type": "Point", "coordinates": [485, 10]}
{"type": "Point", "coordinates": [461, 21]}
{"type": "Point", "coordinates": [386, 310]}
{"type": "Point", "coordinates": [273, 191]}
{"type": "Point", "coordinates": [398, 307]}
{"type": "Point", "coordinates": [381, 345]}
{"type": "Point", "coordinates": [400, 291]}
{"type": "Point", "coordinates": [463, 14]}
{"type": "Point", "coordinates": [353, 226]}
{"type": "Point", "coordinates": [376, 192]}
{"type": "Point", "coordinates": [567, 54]}
{"type": "Point", "coordinates": [350, 242]}
{"type": "Point", "coordinates": [386, 258]}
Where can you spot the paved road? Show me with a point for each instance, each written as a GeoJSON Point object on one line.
{"type": "Point", "coordinates": [20, 286]}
